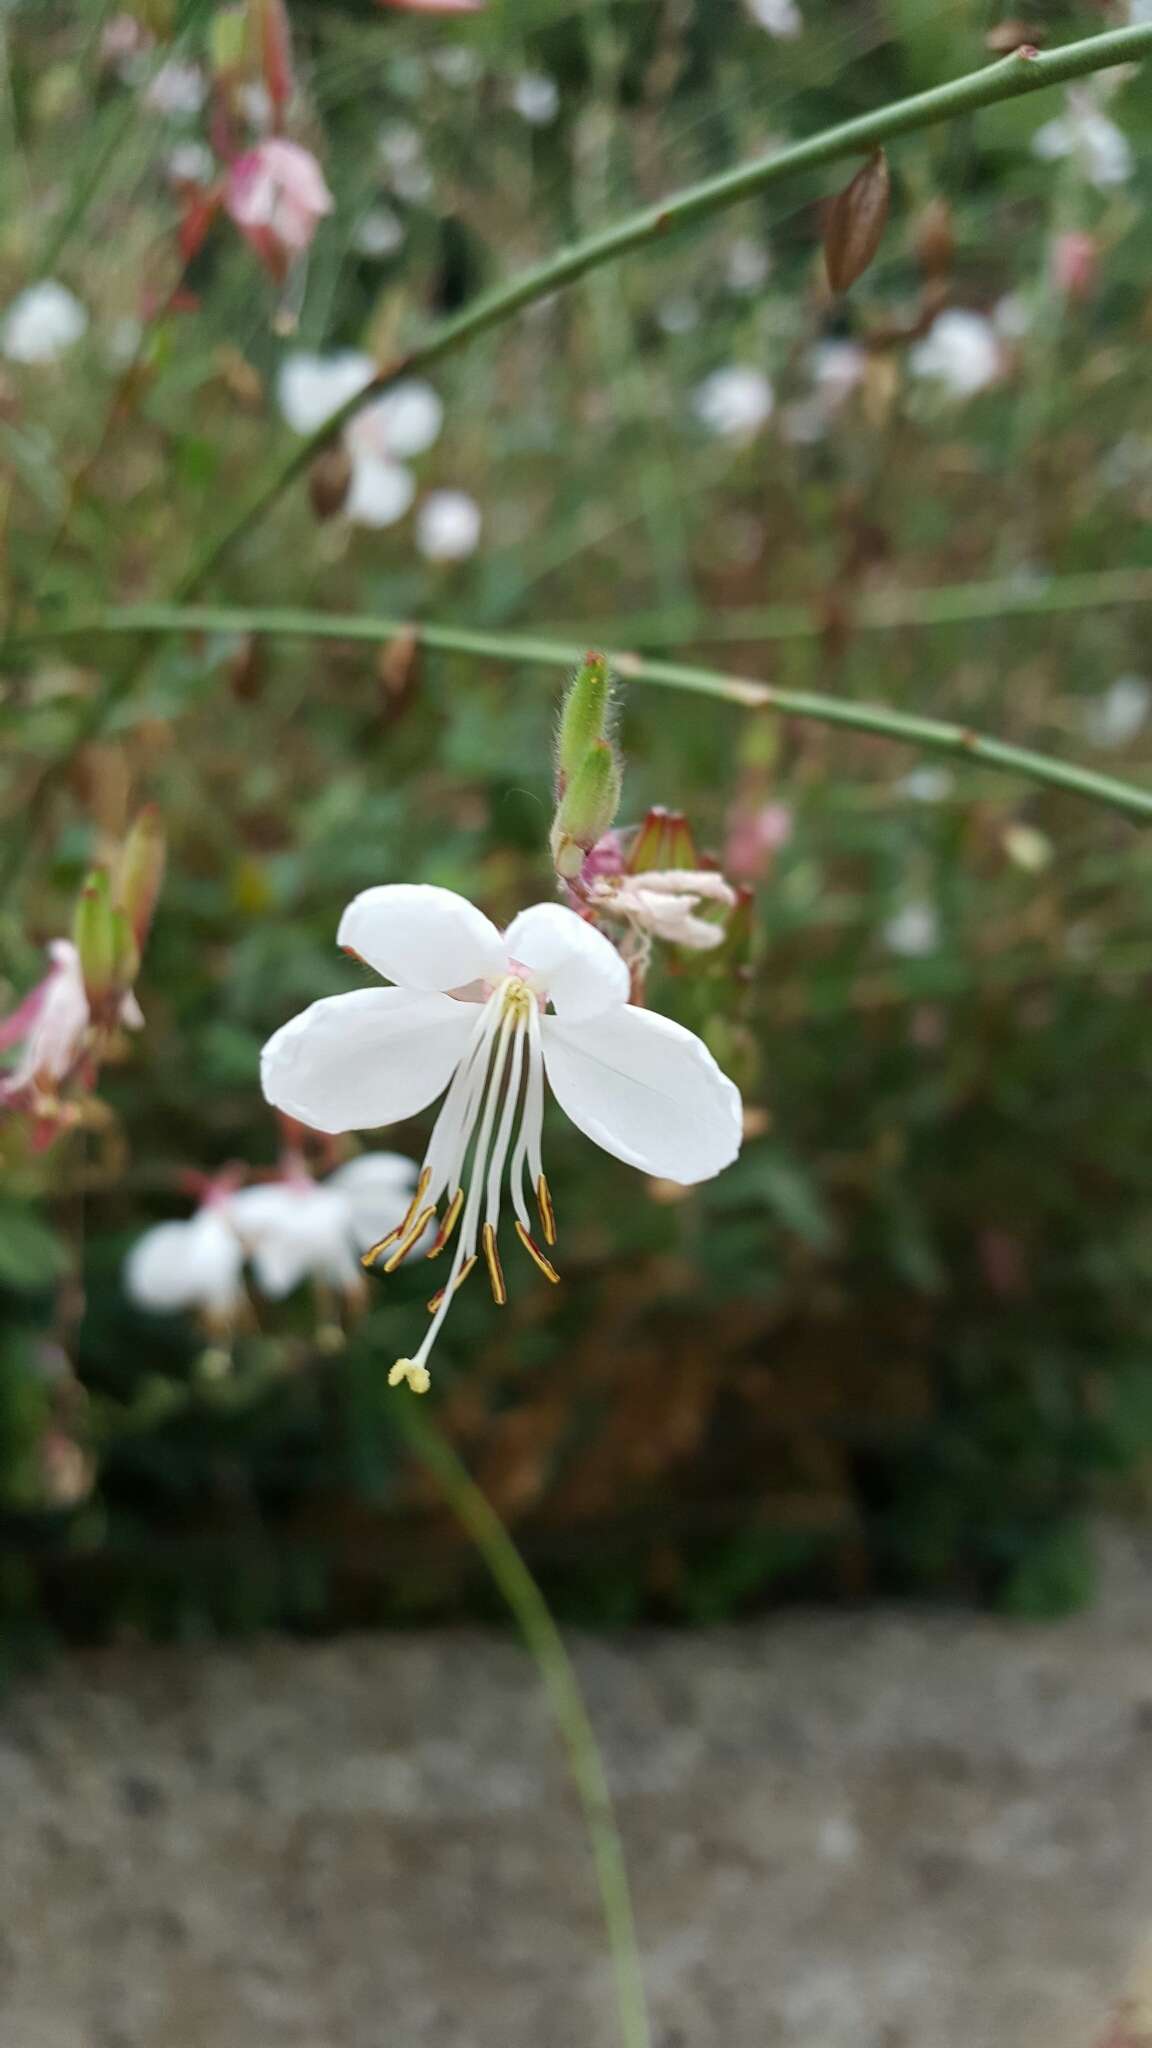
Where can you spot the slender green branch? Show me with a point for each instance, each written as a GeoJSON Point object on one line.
{"type": "Point", "coordinates": [936, 735]}
{"type": "Point", "coordinates": [1007, 79]}
{"type": "Point", "coordinates": [481, 1522]}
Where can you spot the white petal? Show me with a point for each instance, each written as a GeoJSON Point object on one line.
{"type": "Point", "coordinates": [380, 492]}
{"type": "Point", "coordinates": [403, 421]}
{"type": "Point", "coordinates": [186, 1265]}
{"type": "Point", "coordinates": [448, 526]}
{"type": "Point", "coordinates": [569, 960]}
{"type": "Point", "coordinates": [377, 1188]}
{"type": "Point", "coordinates": [646, 1090]}
{"type": "Point", "coordinates": [422, 937]}
{"type": "Point", "coordinates": [295, 1231]}
{"type": "Point", "coordinates": [42, 323]}
{"type": "Point", "coordinates": [311, 388]}
{"type": "Point", "coordinates": [351, 1062]}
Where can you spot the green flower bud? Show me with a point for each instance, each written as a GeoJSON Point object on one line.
{"type": "Point", "coordinates": [125, 952]}
{"type": "Point", "coordinates": [584, 718]}
{"type": "Point", "coordinates": [140, 871]}
{"type": "Point", "coordinates": [94, 932]}
{"type": "Point", "coordinates": [586, 809]}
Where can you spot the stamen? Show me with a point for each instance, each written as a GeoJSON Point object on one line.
{"type": "Point", "coordinates": [370, 1257]}
{"type": "Point", "coordinates": [448, 1225]}
{"type": "Point", "coordinates": [410, 1237]}
{"type": "Point", "coordinates": [410, 1369]}
{"type": "Point", "coordinates": [461, 1277]}
{"type": "Point", "coordinates": [534, 1252]}
{"type": "Point", "coordinates": [547, 1213]}
{"type": "Point", "coordinates": [495, 1269]}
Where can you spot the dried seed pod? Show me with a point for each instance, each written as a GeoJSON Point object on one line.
{"type": "Point", "coordinates": [398, 671]}
{"type": "Point", "coordinates": [933, 239]}
{"type": "Point", "coordinates": [855, 222]}
{"type": "Point", "coordinates": [328, 480]}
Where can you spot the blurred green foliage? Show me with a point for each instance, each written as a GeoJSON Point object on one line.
{"type": "Point", "coordinates": [906, 1339]}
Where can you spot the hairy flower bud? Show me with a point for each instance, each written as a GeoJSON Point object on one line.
{"type": "Point", "coordinates": [584, 718]}
{"type": "Point", "coordinates": [94, 934]}
{"type": "Point", "coordinates": [140, 872]}
{"type": "Point", "coordinates": [586, 809]}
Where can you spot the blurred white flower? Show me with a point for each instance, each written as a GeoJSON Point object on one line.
{"type": "Point", "coordinates": [1117, 716]}
{"type": "Point", "coordinates": [378, 233]}
{"type": "Point", "coordinates": [192, 1265]}
{"type": "Point", "coordinates": [448, 526]}
{"type": "Point", "coordinates": [1012, 316]}
{"type": "Point", "coordinates": [256, 102]}
{"type": "Point", "coordinates": [678, 314]}
{"type": "Point", "coordinates": [298, 1229]}
{"type": "Point", "coordinates": [913, 932]}
{"type": "Point", "coordinates": [401, 148]}
{"type": "Point", "coordinates": [961, 350]}
{"type": "Point", "coordinates": [178, 90]}
{"type": "Point", "coordinates": [927, 785]}
{"type": "Point", "coordinates": [747, 265]}
{"type": "Point", "coordinates": [733, 402]}
{"type": "Point", "coordinates": [536, 98]}
{"type": "Point", "coordinates": [458, 64]}
{"type": "Point", "coordinates": [42, 323]}
{"type": "Point", "coordinates": [780, 17]}
{"type": "Point", "coordinates": [400, 423]}
{"type": "Point", "coordinates": [191, 163]}
{"type": "Point", "coordinates": [1101, 149]}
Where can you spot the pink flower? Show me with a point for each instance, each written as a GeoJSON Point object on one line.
{"type": "Point", "coordinates": [51, 1026]}
{"type": "Point", "coordinates": [1075, 265]}
{"type": "Point", "coordinates": [277, 196]}
{"type": "Point", "coordinates": [753, 837]}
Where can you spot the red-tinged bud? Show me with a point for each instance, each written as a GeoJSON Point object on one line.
{"type": "Point", "coordinates": [274, 44]}
{"type": "Point", "coordinates": [1076, 265]}
{"type": "Point", "coordinates": [855, 222]}
{"type": "Point", "coordinates": [94, 935]}
{"type": "Point", "coordinates": [140, 874]}
{"type": "Point", "coordinates": [664, 840]}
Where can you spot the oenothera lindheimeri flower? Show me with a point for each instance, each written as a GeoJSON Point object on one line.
{"type": "Point", "coordinates": [296, 1228]}
{"type": "Point", "coordinates": [51, 1028]}
{"type": "Point", "coordinates": [488, 1016]}
{"type": "Point", "coordinates": [196, 1264]}
{"type": "Point", "coordinates": [663, 904]}
{"type": "Point", "coordinates": [277, 196]}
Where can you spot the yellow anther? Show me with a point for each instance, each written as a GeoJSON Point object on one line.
{"type": "Point", "coordinates": [534, 1252]}
{"type": "Point", "coordinates": [417, 1376]}
{"type": "Point", "coordinates": [495, 1270]}
{"type": "Point", "coordinates": [448, 1225]}
{"type": "Point", "coordinates": [547, 1213]}
{"type": "Point", "coordinates": [461, 1277]}
{"type": "Point", "coordinates": [411, 1236]}
{"type": "Point", "coordinates": [370, 1257]}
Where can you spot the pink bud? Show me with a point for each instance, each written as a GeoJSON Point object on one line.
{"type": "Point", "coordinates": [277, 196]}
{"type": "Point", "coordinates": [753, 837]}
{"type": "Point", "coordinates": [1075, 264]}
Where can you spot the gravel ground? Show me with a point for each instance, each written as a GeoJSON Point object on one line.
{"type": "Point", "coordinates": [886, 1830]}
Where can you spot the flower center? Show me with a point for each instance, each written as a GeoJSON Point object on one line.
{"type": "Point", "coordinates": [496, 1091]}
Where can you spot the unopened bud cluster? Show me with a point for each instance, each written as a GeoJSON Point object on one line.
{"type": "Point", "coordinates": [588, 768]}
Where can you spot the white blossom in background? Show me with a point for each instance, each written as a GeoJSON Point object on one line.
{"type": "Point", "coordinates": [1013, 317]}
{"type": "Point", "coordinates": [256, 103]}
{"type": "Point", "coordinates": [914, 932]}
{"type": "Point", "coordinates": [962, 351]}
{"type": "Point", "coordinates": [488, 1016]}
{"type": "Point", "coordinates": [1122, 712]}
{"type": "Point", "coordinates": [378, 233]}
{"type": "Point", "coordinates": [42, 323]}
{"type": "Point", "coordinates": [178, 90]}
{"type": "Point", "coordinates": [781, 18]}
{"type": "Point", "coordinates": [678, 314]}
{"type": "Point", "coordinates": [747, 265]}
{"type": "Point", "coordinates": [734, 402]}
{"type": "Point", "coordinates": [401, 148]}
{"type": "Point", "coordinates": [190, 163]}
{"type": "Point", "coordinates": [448, 526]}
{"type": "Point", "coordinates": [194, 1265]}
{"type": "Point", "coordinates": [277, 195]}
{"type": "Point", "coordinates": [927, 785]}
{"type": "Point", "coordinates": [1085, 132]}
{"type": "Point", "coordinates": [458, 64]}
{"type": "Point", "coordinates": [401, 423]}
{"type": "Point", "coordinates": [296, 1229]}
{"type": "Point", "coordinates": [536, 98]}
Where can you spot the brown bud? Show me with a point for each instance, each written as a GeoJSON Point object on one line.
{"type": "Point", "coordinates": [934, 240]}
{"type": "Point", "coordinates": [398, 669]}
{"type": "Point", "coordinates": [328, 480]}
{"type": "Point", "coordinates": [855, 222]}
{"type": "Point", "coordinates": [245, 669]}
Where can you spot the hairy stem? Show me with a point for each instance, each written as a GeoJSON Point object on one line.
{"type": "Point", "coordinates": [935, 735]}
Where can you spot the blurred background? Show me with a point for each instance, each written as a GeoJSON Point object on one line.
{"type": "Point", "coordinates": [901, 1348]}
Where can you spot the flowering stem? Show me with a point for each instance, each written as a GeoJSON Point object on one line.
{"type": "Point", "coordinates": [1007, 79]}
{"type": "Point", "coordinates": [481, 1522]}
{"type": "Point", "coordinates": [936, 735]}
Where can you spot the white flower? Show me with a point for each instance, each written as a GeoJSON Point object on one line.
{"type": "Point", "coordinates": [178, 90]}
{"type": "Point", "coordinates": [663, 902]}
{"type": "Point", "coordinates": [401, 147]}
{"type": "Point", "coordinates": [298, 1229]}
{"type": "Point", "coordinates": [780, 17]}
{"type": "Point", "coordinates": [379, 233]}
{"type": "Point", "coordinates": [191, 163]}
{"type": "Point", "coordinates": [747, 265]}
{"type": "Point", "coordinates": [1120, 713]}
{"type": "Point", "coordinates": [536, 98]}
{"type": "Point", "coordinates": [678, 314]}
{"type": "Point", "coordinates": [448, 526]}
{"type": "Point", "coordinates": [42, 323]}
{"type": "Point", "coordinates": [458, 65]}
{"type": "Point", "coordinates": [733, 402]}
{"type": "Point", "coordinates": [401, 422]}
{"type": "Point", "coordinates": [927, 785]}
{"type": "Point", "coordinates": [961, 351]}
{"type": "Point", "coordinates": [193, 1265]}
{"type": "Point", "coordinates": [51, 1025]}
{"type": "Point", "coordinates": [486, 1016]}
{"type": "Point", "coordinates": [1102, 150]}
{"type": "Point", "coordinates": [914, 932]}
